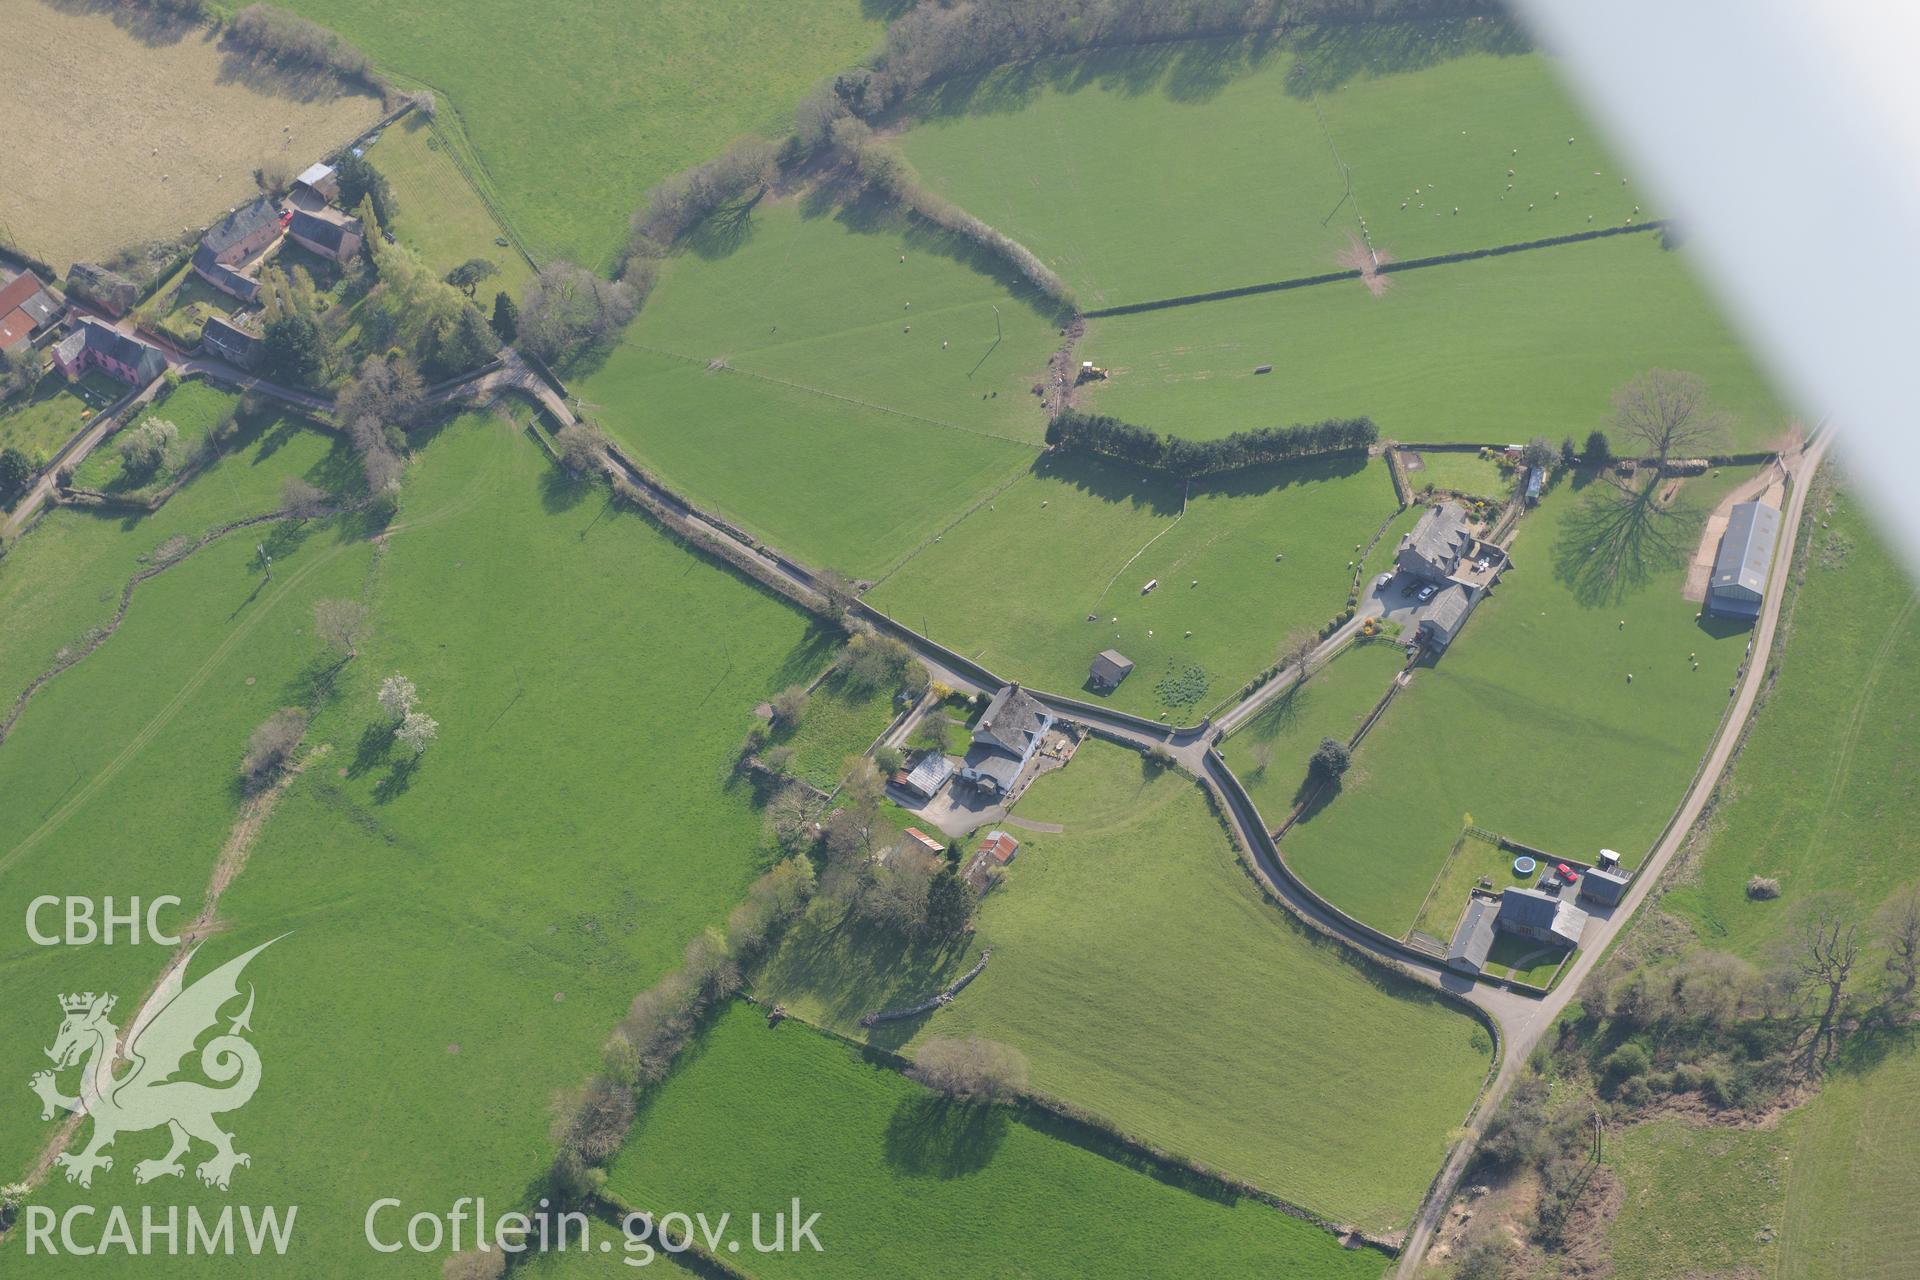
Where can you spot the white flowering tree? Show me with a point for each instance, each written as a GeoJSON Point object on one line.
{"type": "Point", "coordinates": [417, 731]}
{"type": "Point", "coordinates": [397, 696]}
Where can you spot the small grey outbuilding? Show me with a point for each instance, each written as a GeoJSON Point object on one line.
{"type": "Point", "coordinates": [1109, 669]}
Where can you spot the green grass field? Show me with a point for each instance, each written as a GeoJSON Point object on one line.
{"type": "Point", "coordinates": [1203, 165]}
{"type": "Point", "coordinates": [1826, 769]}
{"type": "Point", "coordinates": [1701, 1201]}
{"type": "Point", "coordinates": [1529, 715]}
{"type": "Point", "coordinates": [462, 935]}
{"type": "Point", "coordinates": [574, 119]}
{"type": "Point", "coordinates": [1463, 473]}
{"type": "Point", "coordinates": [39, 422]}
{"type": "Point", "coordinates": [788, 1112]}
{"type": "Point", "coordinates": [1492, 351]}
{"type": "Point", "coordinates": [195, 407]}
{"type": "Point", "coordinates": [119, 778]}
{"type": "Point", "coordinates": [825, 481]}
{"type": "Point", "coordinates": [1269, 753]}
{"type": "Point", "coordinates": [1147, 980]}
{"type": "Point", "coordinates": [857, 303]}
{"type": "Point", "coordinates": [1853, 1173]}
{"type": "Point", "coordinates": [1080, 536]}
{"type": "Point", "coordinates": [440, 216]}
{"type": "Point", "coordinates": [839, 723]}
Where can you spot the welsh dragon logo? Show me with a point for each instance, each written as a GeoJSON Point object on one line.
{"type": "Point", "coordinates": [149, 1095]}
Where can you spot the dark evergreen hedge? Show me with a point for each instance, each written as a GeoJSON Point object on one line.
{"type": "Point", "coordinates": [1109, 437]}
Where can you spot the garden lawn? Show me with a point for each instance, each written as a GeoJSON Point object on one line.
{"type": "Point", "coordinates": [1269, 753]}
{"type": "Point", "coordinates": [180, 308]}
{"type": "Point", "coordinates": [1529, 717]}
{"type": "Point", "coordinates": [860, 304]}
{"type": "Point", "coordinates": [195, 407]}
{"type": "Point", "coordinates": [40, 422]}
{"type": "Point", "coordinates": [1148, 981]}
{"type": "Point", "coordinates": [828, 482]}
{"type": "Point", "coordinates": [441, 217]}
{"type": "Point", "coordinates": [1702, 1201]}
{"type": "Point", "coordinates": [1196, 166]}
{"type": "Point", "coordinates": [1487, 352]}
{"type": "Point", "coordinates": [1464, 473]}
{"type": "Point", "coordinates": [839, 723]}
{"type": "Point", "coordinates": [1473, 861]}
{"type": "Point", "coordinates": [120, 777]}
{"type": "Point", "coordinates": [1080, 535]}
{"type": "Point", "coordinates": [785, 1112]}
{"type": "Point", "coordinates": [573, 117]}
{"type": "Point", "coordinates": [1822, 794]}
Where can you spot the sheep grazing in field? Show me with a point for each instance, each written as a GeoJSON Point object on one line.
{"type": "Point", "coordinates": [1569, 141]}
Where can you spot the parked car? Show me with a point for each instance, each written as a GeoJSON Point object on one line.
{"type": "Point", "coordinates": [1426, 593]}
{"type": "Point", "coordinates": [1412, 584]}
{"type": "Point", "coordinates": [1567, 873]}
{"type": "Point", "coordinates": [1385, 578]}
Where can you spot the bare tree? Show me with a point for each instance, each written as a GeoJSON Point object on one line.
{"type": "Point", "coordinates": [475, 1264]}
{"type": "Point", "coordinates": [1899, 926]}
{"type": "Point", "coordinates": [1828, 948]}
{"type": "Point", "coordinates": [838, 589]}
{"type": "Point", "coordinates": [1296, 651]}
{"type": "Point", "coordinates": [302, 499]}
{"type": "Point", "coordinates": [971, 1069]}
{"type": "Point", "coordinates": [789, 705]}
{"type": "Point", "coordinates": [271, 745]}
{"type": "Point", "coordinates": [583, 448]}
{"type": "Point", "coordinates": [790, 816]}
{"type": "Point", "coordinates": [341, 625]}
{"type": "Point", "coordinates": [1664, 414]}
{"type": "Point", "coordinates": [385, 390]}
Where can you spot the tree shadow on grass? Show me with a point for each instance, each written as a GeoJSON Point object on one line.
{"type": "Point", "coordinates": [561, 491]}
{"type": "Point", "coordinates": [932, 1136]}
{"type": "Point", "coordinates": [852, 967]}
{"type": "Point", "coordinates": [1098, 1142]}
{"type": "Point", "coordinates": [152, 25]}
{"type": "Point", "coordinates": [1330, 55]}
{"type": "Point", "coordinates": [1617, 539]}
{"type": "Point", "coordinates": [376, 740]}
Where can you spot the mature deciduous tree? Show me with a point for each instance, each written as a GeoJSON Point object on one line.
{"type": "Point", "coordinates": [341, 625]}
{"type": "Point", "coordinates": [1665, 414]}
{"type": "Point", "coordinates": [971, 1068]}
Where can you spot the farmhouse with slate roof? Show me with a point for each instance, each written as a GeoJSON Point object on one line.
{"type": "Point", "coordinates": [329, 233]}
{"type": "Point", "coordinates": [231, 245]}
{"type": "Point", "coordinates": [1432, 551]}
{"type": "Point", "coordinates": [1008, 734]}
{"type": "Point", "coordinates": [1528, 913]}
{"type": "Point", "coordinates": [231, 342]}
{"type": "Point", "coordinates": [1442, 552]}
{"type": "Point", "coordinates": [93, 345]}
{"type": "Point", "coordinates": [1739, 581]}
